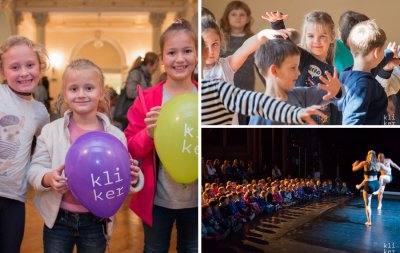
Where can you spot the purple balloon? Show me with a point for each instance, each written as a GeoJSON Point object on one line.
{"type": "Point", "coordinates": [97, 166]}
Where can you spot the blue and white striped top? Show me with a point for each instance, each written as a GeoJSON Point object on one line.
{"type": "Point", "coordinates": [220, 100]}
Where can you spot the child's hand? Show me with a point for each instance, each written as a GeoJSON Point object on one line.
{"type": "Point", "coordinates": [56, 180]}
{"type": "Point", "coordinates": [151, 119]}
{"type": "Point", "coordinates": [393, 46]}
{"type": "Point", "coordinates": [356, 163]}
{"type": "Point", "coordinates": [134, 171]}
{"type": "Point", "coordinates": [273, 34]}
{"type": "Point", "coordinates": [273, 16]}
{"type": "Point", "coordinates": [332, 84]}
{"type": "Point", "coordinates": [306, 114]}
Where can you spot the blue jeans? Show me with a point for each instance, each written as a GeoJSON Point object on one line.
{"type": "Point", "coordinates": [84, 230]}
{"type": "Point", "coordinates": [12, 222]}
{"type": "Point", "coordinates": [157, 237]}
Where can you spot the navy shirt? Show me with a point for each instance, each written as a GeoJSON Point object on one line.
{"type": "Point", "coordinates": [365, 101]}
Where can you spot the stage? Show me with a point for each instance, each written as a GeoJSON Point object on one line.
{"type": "Point", "coordinates": [328, 226]}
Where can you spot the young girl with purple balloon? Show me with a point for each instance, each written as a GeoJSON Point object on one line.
{"type": "Point", "coordinates": [86, 108]}
{"type": "Point", "coordinates": [162, 202]}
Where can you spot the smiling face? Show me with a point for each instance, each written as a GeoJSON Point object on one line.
{"type": "Point", "coordinates": [179, 56]}
{"type": "Point", "coordinates": [83, 91]}
{"type": "Point", "coordinates": [21, 68]}
{"type": "Point", "coordinates": [318, 41]}
{"type": "Point", "coordinates": [286, 75]}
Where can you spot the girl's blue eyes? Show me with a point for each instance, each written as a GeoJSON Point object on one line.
{"type": "Point", "coordinates": [74, 89]}
{"type": "Point", "coordinates": [29, 66]}
{"type": "Point", "coordinates": [321, 36]}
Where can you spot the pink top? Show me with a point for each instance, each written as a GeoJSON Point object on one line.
{"type": "Point", "coordinates": [69, 202]}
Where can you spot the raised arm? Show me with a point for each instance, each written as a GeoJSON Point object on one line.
{"type": "Point", "coordinates": [394, 165]}
{"type": "Point", "coordinates": [390, 81]}
{"type": "Point", "coordinates": [276, 19]}
{"type": "Point", "coordinates": [255, 103]}
{"type": "Point", "coordinates": [237, 59]}
{"type": "Point", "coordinates": [357, 165]}
{"type": "Point", "coordinates": [388, 77]}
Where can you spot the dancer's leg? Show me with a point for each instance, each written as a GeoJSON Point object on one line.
{"type": "Point", "coordinates": [367, 201]}
{"type": "Point", "coordinates": [383, 180]}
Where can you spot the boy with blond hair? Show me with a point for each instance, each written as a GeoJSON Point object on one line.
{"type": "Point", "coordinates": [365, 101]}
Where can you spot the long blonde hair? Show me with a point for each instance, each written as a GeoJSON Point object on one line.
{"type": "Point", "coordinates": [372, 160]}
{"type": "Point", "coordinates": [85, 64]}
{"type": "Point", "coordinates": [324, 19]}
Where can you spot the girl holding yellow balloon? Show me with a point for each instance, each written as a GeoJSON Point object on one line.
{"type": "Point", "coordinates": [162, 134]}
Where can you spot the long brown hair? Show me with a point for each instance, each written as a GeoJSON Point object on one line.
{"type": "Point", "coordinates": [149, 58]}
{"type": "Point", "coordinates": [235, 5]}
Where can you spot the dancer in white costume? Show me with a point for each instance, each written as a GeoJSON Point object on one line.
{"type": "Point", "coordinates": [386, 175]}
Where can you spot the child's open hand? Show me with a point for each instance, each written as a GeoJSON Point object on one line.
{"type": "Point", "coordinates": [134, 171]}
{"type": "Point", "coordinates": [331, 84]}
{"type": "Point", "coordinates": [273, 34]}
{"type": "Point", "coordinates": [393, 46]}
{"type": "Point", "coordinates": [151, 119]}
{"type": "Point", "coordinates": [56, 180]}
{"type": "Point", "coordinates": [273, 16]}
{"type": "Point", "coordinates": [306, 114]}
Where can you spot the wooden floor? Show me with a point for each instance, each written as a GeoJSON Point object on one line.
{"type": "Point", "coordinates": [128, 236]}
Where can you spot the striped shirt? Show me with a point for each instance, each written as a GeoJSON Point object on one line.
{"type": "Point", "coordinates": [220, 100]}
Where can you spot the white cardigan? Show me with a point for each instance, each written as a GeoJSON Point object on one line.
{"type": "Point", "coordinates": [50, 152]}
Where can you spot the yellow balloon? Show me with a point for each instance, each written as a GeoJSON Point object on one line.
{"type": "Point", "coordinates": [175, 137]}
